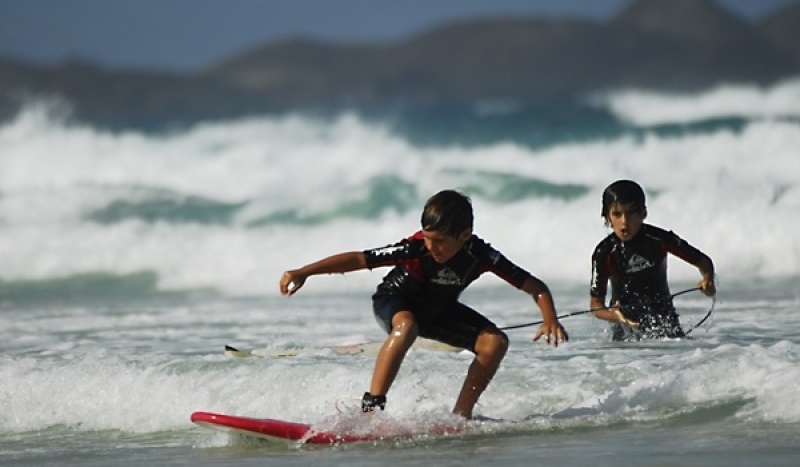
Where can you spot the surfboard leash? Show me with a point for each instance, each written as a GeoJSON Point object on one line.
{"type": "Point", "coordinates": [708, 315]}
{"type": "Point", "coordinates": [583, 312]}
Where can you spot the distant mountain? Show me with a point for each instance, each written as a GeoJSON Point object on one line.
{"type": "Point", "coordinates": [783, 29]}
{"type": "Point", "coordinates": [656, 44]}
{"type": "Point", "coordinates": [695, 43]}
{"type": "Point", "coordinates": [700, 21]}
{"type": "Point", "coordinates": [675, 44]}
{"type": "Point", "coordinates": [123, 98]}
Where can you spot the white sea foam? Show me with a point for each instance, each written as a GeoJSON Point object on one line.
{"type": "Point", "coordinates": [648, 108]}
{"type": "Point", "coordinates": [136, 371]}
{"type": "Point", "coordinates": [734, 194]}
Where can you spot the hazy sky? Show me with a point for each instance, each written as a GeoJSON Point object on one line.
{"type": "Point", "coordinates": [186, 35]}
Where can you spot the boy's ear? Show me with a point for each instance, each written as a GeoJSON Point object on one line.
{"type": "Point", "coordinates": [644, 213]}
{"type": "Point", "coordinates": [465, 234]}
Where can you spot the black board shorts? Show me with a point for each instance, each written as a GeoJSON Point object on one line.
{"type": "Point", "coordinates": [457, 324]}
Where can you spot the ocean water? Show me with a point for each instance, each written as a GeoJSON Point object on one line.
{"type": "Point", "coordinates": [130, 258]}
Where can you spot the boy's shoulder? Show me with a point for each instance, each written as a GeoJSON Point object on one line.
{"type": "Point", "coordinates": [607, 242]}
{"type": "Point", "coordinates": [477, 242]}
{"type": "Point", "coordinates": [655, 231]}
{"type": "Point", "coordinates": [416, 236]}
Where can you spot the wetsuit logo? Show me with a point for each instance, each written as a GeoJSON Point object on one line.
{"type": "Point", "coordinates": [446, 276]}
{"type": "Point", "coordinates": [388, 250]}
{"type": "Point", "coordinates": [638, 263]}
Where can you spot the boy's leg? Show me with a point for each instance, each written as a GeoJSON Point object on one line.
{"type": "Point", "coordinates": [490, 348]}
{"type": "Point", "coordinates": [390, 357]}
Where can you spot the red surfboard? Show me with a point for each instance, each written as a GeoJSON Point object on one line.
{"type": "Point", "coordinates": [269, 428]}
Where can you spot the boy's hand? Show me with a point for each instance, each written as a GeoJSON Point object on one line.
{"type": "Point", "coordinates": [708, 287]}
{"type": "Point", "coordinates": [290, 282]}
{"type": "Point", "coordinates": [553, 333]}
{"type": "Point", "coordinates": [619, 317]}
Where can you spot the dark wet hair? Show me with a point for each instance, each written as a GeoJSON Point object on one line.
{"type": "Point", "coordinates": [449, 212]}
{"type": "Point", "coordinates": [623, 192]}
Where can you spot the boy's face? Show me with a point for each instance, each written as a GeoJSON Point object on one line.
{"type": "Point", "coordinates": [442, 246]}
{"type": "Point", "coordinates": [625, 220]}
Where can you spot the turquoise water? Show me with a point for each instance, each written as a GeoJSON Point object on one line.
{"type": "Point", "coordinates": [129, 259]}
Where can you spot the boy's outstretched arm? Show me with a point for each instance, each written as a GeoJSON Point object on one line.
{"type": "Point", "coordinates": [292, 280]}
{"type": "Point", "coordinates": [551, 329]}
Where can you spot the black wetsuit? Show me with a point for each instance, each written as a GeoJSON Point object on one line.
{"type": "Point", "coordinates": [431, 290]}
{"type": "Point", "coordinates": [637, 270]}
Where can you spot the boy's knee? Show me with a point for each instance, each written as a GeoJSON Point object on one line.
{"type": "Point", "coordinates": [404, 327]}
{"type": "Point", "coordinates": [492, 342]}
{"type": "Point", "coordinates": [501, 341]}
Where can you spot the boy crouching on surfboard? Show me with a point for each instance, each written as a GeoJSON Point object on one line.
{"type": "Point", "coordinates": [419, 296]}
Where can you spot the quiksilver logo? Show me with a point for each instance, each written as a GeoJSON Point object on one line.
{"type": "Point", "coordinates": [638, 263]}
{"type": "Point", "coordinates": [446, 276]}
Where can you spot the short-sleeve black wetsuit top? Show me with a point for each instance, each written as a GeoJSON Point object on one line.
{"type": "Point", "coordinates": [637, 269]}
{"type": "Point", "coordinates": [419, 278]}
